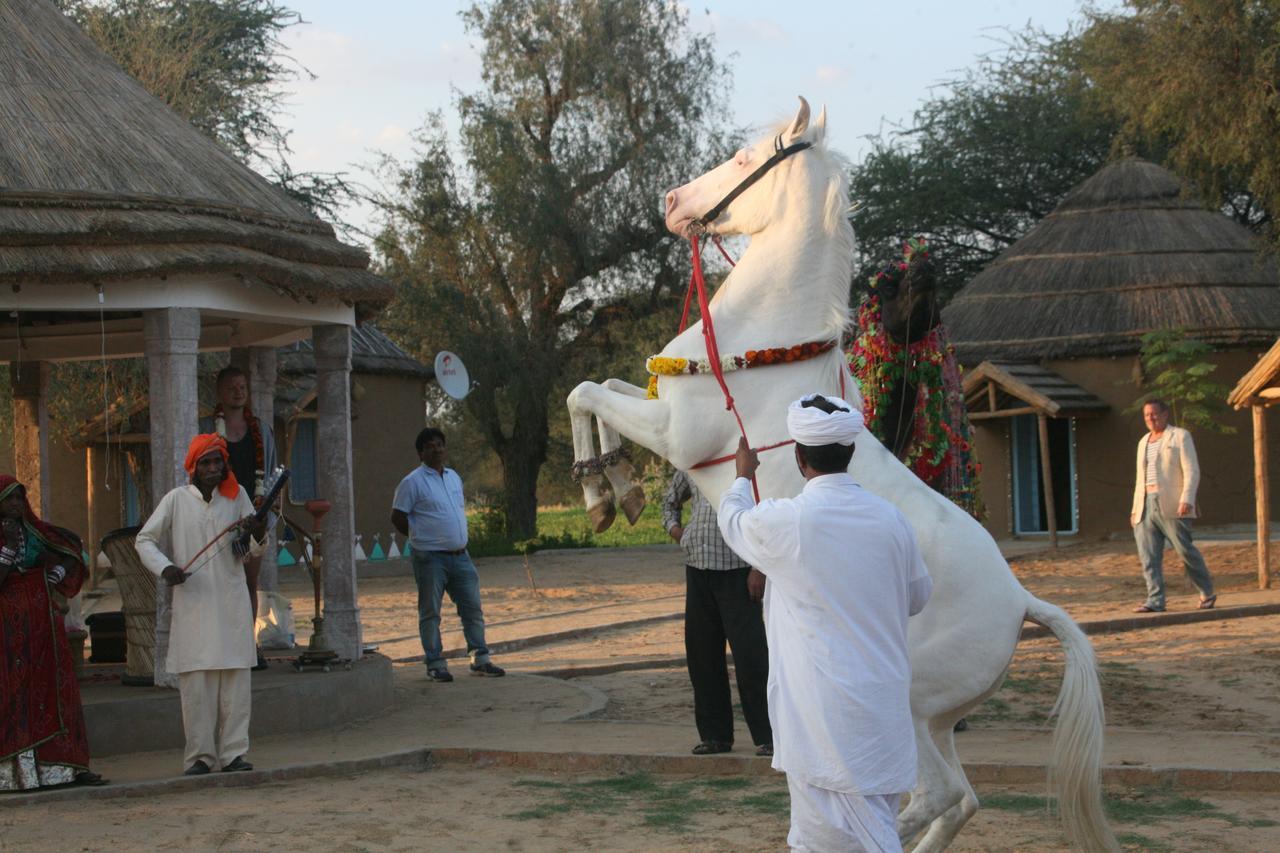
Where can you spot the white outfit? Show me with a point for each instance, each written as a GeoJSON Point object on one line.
{"type": "Point", "coordinates": [824, 821]}
{"type": "Point", "coordinates": [844, 573]}
{"type": "Point", "coordinates": [211, 642]}
{"type": "Point", "coordinates": [215, 715]}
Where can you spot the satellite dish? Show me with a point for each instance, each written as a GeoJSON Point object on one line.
{"type": "Point", "coordinates": [451, 373]}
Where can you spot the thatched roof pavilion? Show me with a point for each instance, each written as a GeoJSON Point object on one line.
{"type": "Point", "coordinates": [1125, 253]}
{"type": "Point", "coordinates": [102, 183]}
{"type": "Point", "coordinates": [125, 231]}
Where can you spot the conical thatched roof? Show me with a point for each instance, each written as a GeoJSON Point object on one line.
{"type": "Point", "coordinates": [100, 181]}
{"type": "Point", "coordinates": [1125, 253]}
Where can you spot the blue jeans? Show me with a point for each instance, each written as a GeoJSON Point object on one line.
{"type": "Point", "coordinates": [435, 573]}
{"type": "Point", "coordinates": [1150, 533]}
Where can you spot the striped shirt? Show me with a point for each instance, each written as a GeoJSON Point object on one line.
{"type": "Point", "coordinates": [1153, 450]}
{"type": "Point", "coordinates": [704, 547]}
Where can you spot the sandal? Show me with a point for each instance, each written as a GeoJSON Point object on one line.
{"type": "Point", "coordinates": [88, 777]}
{"type": "Point", "coordinates": [764, 750]}
{"type": "Point", "coordinates": [1207, 603]}
{"type": "Point", "coordinates": [1146, 608]}
{"type": "Point", "coordinates": [712, 747]}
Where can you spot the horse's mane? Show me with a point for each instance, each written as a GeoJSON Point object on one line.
{"type": "Point", "coordinates": [836, 222]}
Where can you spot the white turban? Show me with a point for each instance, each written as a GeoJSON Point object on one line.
{"type": "Point", "coordinates": [812, 427]}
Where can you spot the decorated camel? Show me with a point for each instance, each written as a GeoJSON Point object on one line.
{"type": "Point", "coordinates": [778, 319]}
{"type": "Point", "coordinates": [907, 371]}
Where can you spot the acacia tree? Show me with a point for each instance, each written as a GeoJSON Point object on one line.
{"type": "Point", "coordinates": [551, 214]}
{"type": "Point", "coordinates": [1200, 77]}
{"type": "Point", "coordinates": [982, 160]}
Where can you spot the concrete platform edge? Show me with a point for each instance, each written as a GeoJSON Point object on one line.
{"type": "Point", "coordinates": [1178, 778]}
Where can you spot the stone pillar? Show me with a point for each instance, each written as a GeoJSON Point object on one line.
{"type": "Point", "coordinates": [172, 337]}
{"type": "Point", "coordinates": [333, 482]}
{"type": "Point", "coordinates": [30, 383]}
{"type": "Point", "coordinates": [259, 363]}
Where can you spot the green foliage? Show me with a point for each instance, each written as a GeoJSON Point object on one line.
{"type": "Point", "coordinates": [560, 527]}
{"type": "Point", "coordinates": [1199, 77]}
{"type": "Point", "coordinates": [220, 65]}
{"type": "Point", "coordinates": [514, 252]}
{"type": "Point", "coordinates": [1177, 372]}
{"type": "Point", "coordinates": [982, 160]}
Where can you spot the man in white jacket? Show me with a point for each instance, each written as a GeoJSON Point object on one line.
{"type": "Point", "coordinates": [211, 645]}
{"type": "Point", "coordinates": [844, 573]}
{"type": "Point", "coordinates": [1164, 502]}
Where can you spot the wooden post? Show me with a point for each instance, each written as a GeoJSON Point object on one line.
{"type": "Point", "coordinates": [991, 395]}
{"type": "Point", "coordinates": [1046, 480]}
{"type": "Point", "coordinates": [1261, 487]}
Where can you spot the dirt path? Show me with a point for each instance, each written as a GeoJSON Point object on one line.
{"type": "Point", "coordinates": [461, 809]}
{"type": "Point", "coordinates": [1217, 680]}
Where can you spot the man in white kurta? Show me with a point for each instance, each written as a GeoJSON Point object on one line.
{"type": "Point", "coordinates": [844, 573]}
{"type": "Point", "coordinates": [211, 643]}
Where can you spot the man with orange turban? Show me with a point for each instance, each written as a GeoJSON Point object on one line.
{"type": "Point", "coordinates": [211, 644]}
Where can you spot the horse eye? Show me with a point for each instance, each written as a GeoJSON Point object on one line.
{"type": "Point", "coordinates": [741, 157]}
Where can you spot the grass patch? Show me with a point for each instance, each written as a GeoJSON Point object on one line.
{"type": "Point", "coordinates": [1143, 807]}
{"type": "Point", "coordinates": [1145, 810]}
{"type": "Point", "coordinates": [769, 802]}
{"type": "Point", "coordinates": [565, 527]}
{"type": "Point", "coordinates": [1020, 803]}
{"type": "Point", "coordinates": [1024, 685]}
{"type": "Point", "coordinates": [669, 806]}
{"type": "Point", "coordinates": [1142, 842]}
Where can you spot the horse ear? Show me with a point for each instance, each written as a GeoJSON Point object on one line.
{"type": "Point", "coordinates": [819, 126]}
{"type": "Point", "coordinates": [800, 123]}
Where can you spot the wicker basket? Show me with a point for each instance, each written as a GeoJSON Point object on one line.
{"type": "Point", "coordinates": [138, 598]}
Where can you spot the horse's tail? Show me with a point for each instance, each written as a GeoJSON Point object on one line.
{"type": "Point", "coordinates": [1075, 774]}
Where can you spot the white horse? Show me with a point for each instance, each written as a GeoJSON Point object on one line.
{"type": "Point", "coordinates": [792, 287]}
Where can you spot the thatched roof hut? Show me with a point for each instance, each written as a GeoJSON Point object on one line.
{"type": "Point", "coordinates": [101, 182]}
{"type": "Point", "coordinates": [1125, 253]}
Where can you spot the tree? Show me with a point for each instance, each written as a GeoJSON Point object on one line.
{"type": "Point", "coordinates": [221, 66]}
{"type": "Point", "coordinates": [550, 216]}
{"type": "Point", "coordinates": [1199, 77]}
{"type": "Point", "coordinates": [1177, 371]}
{"type": "Point", "coordinates": [983, 160]}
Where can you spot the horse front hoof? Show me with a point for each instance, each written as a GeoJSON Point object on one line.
{"type": "Point", "coordinates": [633, 504]}
{"type": "Point", "coordinates": [602, 516]}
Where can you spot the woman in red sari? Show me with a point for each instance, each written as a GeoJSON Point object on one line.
{"type": "Point", "coordinates": [43, 741]}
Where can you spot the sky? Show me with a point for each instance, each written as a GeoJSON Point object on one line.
{"type": "Point", "coordinates": [380, 66]}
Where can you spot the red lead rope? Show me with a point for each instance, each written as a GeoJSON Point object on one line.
{"type": "Point", "coordinates": [699, 283]}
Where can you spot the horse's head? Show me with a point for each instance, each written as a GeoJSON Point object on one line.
{"type": "Point", "coordinates": [760, 198]}
{"type": "Point", "coordinates": [908, 291]}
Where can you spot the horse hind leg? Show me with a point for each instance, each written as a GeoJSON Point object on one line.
{"type": "Point", "coordinates": [617, 461]}
{"type": "Point", "coordinates": [946, 826]}
{"type": "Point", "coordinates": [588, 471]}
{"type": "Point", "coordinates": [938, 789]}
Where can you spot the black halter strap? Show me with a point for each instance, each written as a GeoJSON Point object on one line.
{"type": "Point", "coordinates": [780, 153]}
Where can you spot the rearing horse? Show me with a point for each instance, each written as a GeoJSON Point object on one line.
{"type": "Point", "coordinates": [778, 317]}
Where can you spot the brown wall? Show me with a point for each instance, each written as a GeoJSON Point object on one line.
{"type": "Point", "coordinates": [388, 417]}
{"type": "Point", "coordinates": [1105, 449]}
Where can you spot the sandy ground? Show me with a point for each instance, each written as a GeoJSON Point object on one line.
{"type": "Point", "coordinates": [1209, 688]}
{"type": "Point", "coordinates": [458, 809]}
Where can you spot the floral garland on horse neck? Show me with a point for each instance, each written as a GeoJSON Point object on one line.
{"type": "Point", "coordinates": [940, 449]}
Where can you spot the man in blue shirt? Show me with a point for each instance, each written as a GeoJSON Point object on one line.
{"type": "Point", "coordinates": [428, 510]}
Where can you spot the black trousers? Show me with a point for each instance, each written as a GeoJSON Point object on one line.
{"type": "Point", "coordinates": [717, 608]}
